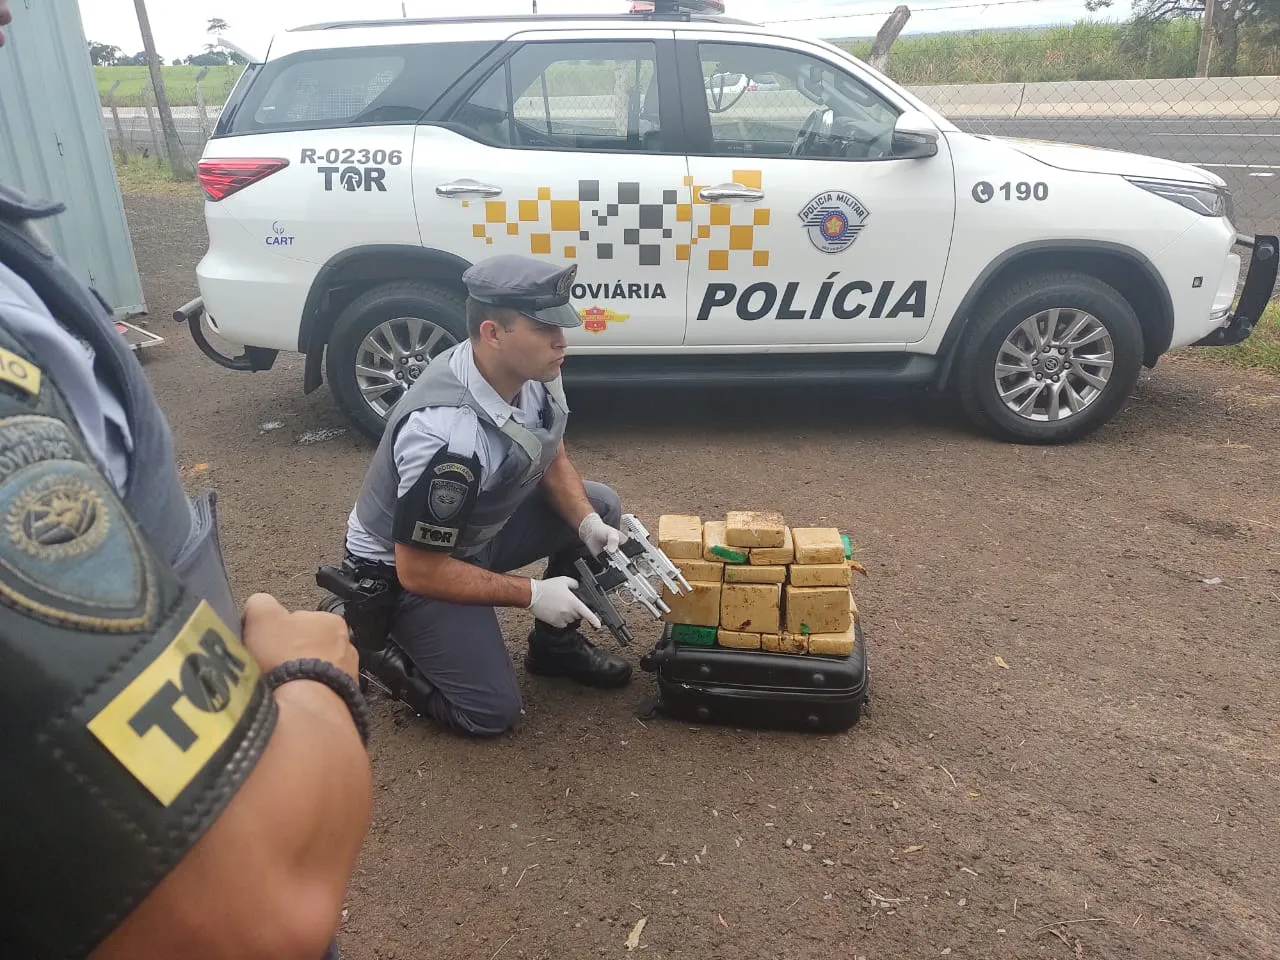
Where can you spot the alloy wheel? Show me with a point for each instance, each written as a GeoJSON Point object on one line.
{"type": "Point", "coordinates": [393, 355]}
{"type": "Point", "coordinates": [1054, 365]}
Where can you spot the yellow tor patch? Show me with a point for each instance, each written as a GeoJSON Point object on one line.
{"type": "Point", "coordinates": [166, 724]}
{"type": "Point", "coordinates": [19, 373]}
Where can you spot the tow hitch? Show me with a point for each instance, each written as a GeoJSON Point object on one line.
{"type": "Point", "coordinates": [253, 360]}
{"type": "Point", "coordinates": [1259, 283]}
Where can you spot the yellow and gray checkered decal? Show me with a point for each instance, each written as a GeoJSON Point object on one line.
{"type": "Point", "coordinates": [655, 224]}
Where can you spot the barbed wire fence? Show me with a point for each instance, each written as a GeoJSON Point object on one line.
{"type": "Point", "coordinates": [133, 123]}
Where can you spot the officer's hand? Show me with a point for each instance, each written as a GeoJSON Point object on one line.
{"type": "Point", "coordinates": [275, 636]}
{"type": "Point", "coordinates": [554, 602]}
{"type": "Point", "coordinates": [598, 536]}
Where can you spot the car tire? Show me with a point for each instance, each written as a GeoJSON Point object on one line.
{"type": "Point", "coordinates": [415, 313]}
{"type": "Point", "coordinates": [995, 358]}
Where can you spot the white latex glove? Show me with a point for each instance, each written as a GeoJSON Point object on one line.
{"type": "Point", "coordinates": [598, 536]}
{"type": "Point", "coordinates": [554, 602]}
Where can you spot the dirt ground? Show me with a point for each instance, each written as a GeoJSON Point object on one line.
{"type": "Point", "coordinates": [1071, 750]}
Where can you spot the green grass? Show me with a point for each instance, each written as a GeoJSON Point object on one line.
{"type": "Point", "coordinates": [153, 178]}
{"type": "Point", "coordinates": [1087, 50]}
{"type": "Point", "coordinates": [179, 83]}
{"type": "Point", "coordinates": [1260, 352]}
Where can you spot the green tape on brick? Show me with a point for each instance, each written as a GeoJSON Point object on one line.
{"type": "Point", "coordinates": [689, 635]}
{"type": "Point", "coordinates": [729, 555]}
{"type": "Point", "coordinates": [848, 546]}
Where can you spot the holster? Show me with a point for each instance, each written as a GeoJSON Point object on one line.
{"type": "Point", "coordinates": [370, 593]}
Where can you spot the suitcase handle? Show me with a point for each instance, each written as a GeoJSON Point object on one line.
{"type": "Point", "coordinates": [663, 651]}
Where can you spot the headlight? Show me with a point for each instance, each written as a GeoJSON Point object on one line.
{"type": "Point", "coordinates": [1208, 201]}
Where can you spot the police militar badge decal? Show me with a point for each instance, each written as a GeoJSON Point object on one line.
{"type": "Point", "coordinates": [834, 220]}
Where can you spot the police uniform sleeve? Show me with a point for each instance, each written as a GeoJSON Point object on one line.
{"type": "Point", "coordinates": [132, 713]}
{"type": "Point", "coordinates": [440, 474]}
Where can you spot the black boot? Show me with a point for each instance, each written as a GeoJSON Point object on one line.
{"type": "Point", "coordinates": [393, 671]}
{"type": "Point", "coordinates": [567, 653]}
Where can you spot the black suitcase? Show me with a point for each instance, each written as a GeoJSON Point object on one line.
{"type": "Point", "coordinates": [752, 688]}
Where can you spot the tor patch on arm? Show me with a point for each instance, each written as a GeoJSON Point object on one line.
{"type": "Point", "coordinates": [434, 511]}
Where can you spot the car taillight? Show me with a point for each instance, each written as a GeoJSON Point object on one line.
{"type": "Point", "coordinates": [222, 178]}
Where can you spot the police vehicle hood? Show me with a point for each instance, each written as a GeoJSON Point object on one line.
{"type": "Point", "coordinates": [1083, 159]}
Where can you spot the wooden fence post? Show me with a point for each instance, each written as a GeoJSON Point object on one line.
{"type": "Point", "coordinates": [115, 116]}
{"type": "Point", "coordinates": [204, 115]}
{"type": "Point", "coordinates": [148, 102]}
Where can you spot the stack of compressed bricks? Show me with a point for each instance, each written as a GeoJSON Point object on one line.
{"type": "Point", "coordinates": [759, 584]}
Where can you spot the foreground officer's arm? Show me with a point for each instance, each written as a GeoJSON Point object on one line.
{"type": "Point", "coordinates": [269, 878]}
{"type": "Point", "coordinates": [158, 799]}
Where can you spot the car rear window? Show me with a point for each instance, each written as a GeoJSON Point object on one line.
{"type": "Point", "coordinates": [351, 86]}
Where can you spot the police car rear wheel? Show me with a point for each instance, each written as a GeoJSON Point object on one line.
{"type": "Point", "coordinates": [1049, 358]}
{"type": "Point", "coordinates": [383, 341]}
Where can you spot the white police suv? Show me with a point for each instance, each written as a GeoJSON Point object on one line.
{"type": "Point", "coordinates": [820, 224]}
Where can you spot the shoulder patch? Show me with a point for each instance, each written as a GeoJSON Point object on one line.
{"type": "Point", "coordinates": [447, 492]}
{"type": "Point", "coordinates": [69, 552]}
{"type": "Point", "coordinates": [19, 373]}
{"type": "Point", "coordinates": [173, 716]}
{"type": "Point", "coordinates": [436, 509]}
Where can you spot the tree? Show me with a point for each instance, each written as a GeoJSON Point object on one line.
{"type": "Point", "coordinates": [173, 146]}
{"type": "Point", "coordinates": [218, 26]}
{"type": "Point", "coordinates": [210, 58]}
{"type": "Point", "coordinates": [1226, 17]}
{"type": "Point", "coordinates": [103, 54]}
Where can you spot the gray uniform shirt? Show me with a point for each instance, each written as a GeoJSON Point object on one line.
{"type": "Point", "coordinates": [427, 431]}
{"type": "Point", "coordinates": [69, 362]}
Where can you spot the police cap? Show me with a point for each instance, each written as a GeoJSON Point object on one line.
{"type": "Point", "coordinates": [534, 287]}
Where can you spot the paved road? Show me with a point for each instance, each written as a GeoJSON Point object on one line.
{"type": "Point", "coordinates": [1246, 153]}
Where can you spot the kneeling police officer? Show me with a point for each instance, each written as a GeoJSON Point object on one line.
{"type": "Point", "coordinates": [471, 480]}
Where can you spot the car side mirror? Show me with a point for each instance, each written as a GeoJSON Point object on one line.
{"type": "Point", "coordinates": [914, 137]}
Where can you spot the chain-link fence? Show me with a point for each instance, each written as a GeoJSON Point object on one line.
{"type": "Point", "coordinates": [196, 96]}
{"type": "Point", "coordinates": [1091, 84]}
{"type": "Point", "coordinates": [1229, 126]}
{"type": "Point", "coordinates": [1125, 86]}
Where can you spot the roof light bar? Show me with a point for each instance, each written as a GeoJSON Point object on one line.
{"type": "Point", "coordinates": [678, 7]}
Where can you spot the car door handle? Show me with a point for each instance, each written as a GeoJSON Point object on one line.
{"type": "Point", "coordinates": [463, 188]}
{"type": "Point", "coordinates": [730, 191]}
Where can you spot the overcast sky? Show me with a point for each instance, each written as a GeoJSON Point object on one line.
{"type": "Point", "coordinates": [179, 25]}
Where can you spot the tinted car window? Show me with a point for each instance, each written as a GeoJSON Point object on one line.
{"type": "Point", "coordinates": [369, 85]}
{"type": "Point", "coordinates": [573, 95]}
